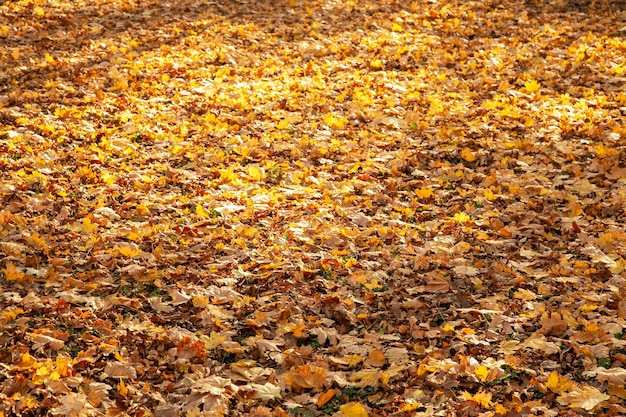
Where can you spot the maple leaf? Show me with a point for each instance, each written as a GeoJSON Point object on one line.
{"type": "Point", "coordinates": [120, 370]}
{"type": "Point", "coordinates": [11, 273]}
{"type": "Point", "coordinates": [468, 155]}
{"type": "Point", "coordinates": [306, 376]}
{"type": "Point", "coordinates": [462, 217]}
{"type": "Point", "coordinates": [482, 372]}
{"type": "Point", "coordinates": [265, 392]}
{"type": "Point", "coordinates": [260, 176]}
{"type": "Point", "coordinates": [585, 397]}
{"type": "Point", "coordinates": [532, 86]}
{"type": "Point", "coordinates": [481, 398]}
{"type": "Point", "coordinates": [73, 405]}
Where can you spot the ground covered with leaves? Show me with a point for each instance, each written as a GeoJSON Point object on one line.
{"type": "Point", "coordinates": [343, 208]}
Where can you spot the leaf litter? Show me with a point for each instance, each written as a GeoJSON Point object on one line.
{"type": "Point", "coordinates": [343, 208]}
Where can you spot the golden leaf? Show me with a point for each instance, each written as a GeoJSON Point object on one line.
{"type": "Point", "coordinates": [130, 251]}
{"type": "Point", "coordinates": [200, 211]}
{"type": "Point", "coordinates": [482, 372]}
{"type": "Point", "coordinates": [481, 398]}
{"type": "Point", "coordinates": [556, 383]}
{"type": "Point", "coordinates": [424, 192]}
{"type": "Point", "coordinates": [376, 64]}
{"type": "Point", "coordinates": [37, 241]}
{"type": "Point", "coordinates": [11, 273]}
{"type": "Point", "coordinates": [122, 389]}
{"type": "Point", "coordinates": [335, 122]}
{"type": "Point", "coordinates": [372, 285]}
{"type": "Point", "coordinates": [462, 217]}
{"type": "Point", "coordinates": [531, 86]}
{"type": "Point", "coordinates": [254, 173]}
{"type": "Point", "coordinates": [468, 155]}
{"type": "Point", "coordinates": [353, 409]}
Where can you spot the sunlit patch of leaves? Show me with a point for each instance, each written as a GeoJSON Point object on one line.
{"type": "Point", "coordinates": [312, 208]}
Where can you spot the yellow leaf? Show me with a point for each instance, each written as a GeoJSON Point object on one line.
{"type": "Point", "coordinates": [353, 410]}
{"type": "Point", "coordinates": [130, 251]}
{"type": "Point", "coordinates": [335, 122]}
{"type": "Point", "coordinates": [49, 58]}
{"type": "Point", "coordinates": [489, 195]}
{"type": "Point", "coordinates": [200, 211]}
{"type": "Point", "coordinates": [15, 53]}
{"type": "Point", "coordinates": [555, 383]}
{"type": "Point", "coordinates": [372, 285]}
{"type": "Point", "coordinates": [134, 236]}
{"type": "Point", "coordinates": [411, 405]}
{"type": "Point", "coordinates": [37, 241]}
{"type": "Point", "coordinates": [376, 64]}
{"type": "Point", "coordinates": [86, 227]}
{"type": "Point", "coordinates": [176, 149]}
{"type": "Point", "coordinates": [447, 327]}
{"type": "Point", "coordinates": [142, 210]}
{"type": "Point", "coordinates": [254, 173]}
{"type": "Point", "coordinates": [619, 266]}
{"type": "Point", "coordinates": [122, 389]}
{"type": "Point", "coordinates": [482, 372]}
{"type": "Point", "coordinates": [468, 155]}
{"type": "Point", "coordinates": [481, 398]}
{"type": "Point", "coordinates": [11, 273]}
{"type": "Point", "coordinates": [246, 231]}
{"type": "Point", "coordinates": [108, 177]}
{"type": "Point", "coordinates": [396, 28]}
{"type": "Point", "coordinates": [39, 11]}
{"type": "Point", "coordinates": [352, 360]}
{"type": "Point", "coordinates": [462, 217]}
{"type": "Point", "coordinates": [424, 192]}
{"type": "Point", "coordinates": [532, 86]}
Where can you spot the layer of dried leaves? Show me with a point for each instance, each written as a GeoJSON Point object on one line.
{"type": "Point", "coordinates": [343, 208]}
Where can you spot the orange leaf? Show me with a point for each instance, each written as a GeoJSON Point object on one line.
{"type": "Point", "coordinates": [376, 358]}
{"type": "Point", "coordinates": [306, 376]}
{"type": "Point", "coordinates": [468, 155]}
{"type": "Point", "coordinates": [325, 397]}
